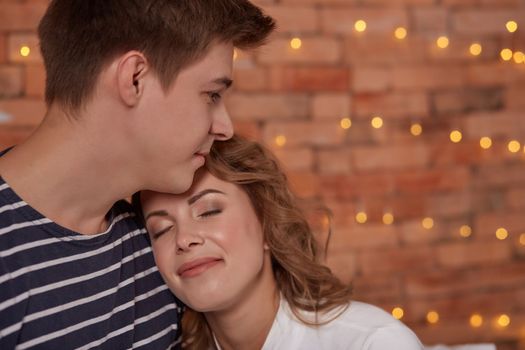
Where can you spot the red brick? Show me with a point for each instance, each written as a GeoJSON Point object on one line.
{"type": "Point", "coordinates": [295, 159]}
{"type": "Point", "coordinates": [392, 104]}
{"type": "Point", "coordinates": [331, 105]}
{"type": "Point", "coordinates": [514, 97]}
{"type": "Point", "coordinates": [515, 198]}
{"type": "Point", "coordinates": [342, 265]}
{"type": "Point", "coordinates": [16, 41]}
{"type": "Point", "coordinates": [427, 77]}
{"type": "Point", "coordinates": [21, 16]}
{"type": "Point", "coordinates": [449, 204]}
{"type": "Point", "coordinates": [304, 184]}
{"type": "Point", "coordinates": [344, 187]}
{"type": "Point", "coordinates": [35, 80]}
{"type": "Point", "coordinates": [315, 49]}
{"type": "Point", "coordinates": [250, 78]}
{"type": "Point", "coordinates": [461, 101]}
{"type": "Point", "coordinates": [397, 260]}
{"type": "Point", "coordinates": [432, 180]}
{"type": "Point", "coordinates": [267, 106]}
{"type": "Point", "coordinates": [379, 20]}
{"type": "Point", "coordinates": [492, 74]}
{"type": "Point", "coordinates": [498, 176]}
{"type": "Point", "coordinates": [430, 19]}
{"type": "Point", "coordinates": [493, 124]}
{"type": "Point", "coordinates": [363, 237]}
{"type": "Point", "coordinates": [413, 232]}
{"type": "Point", "coordinates": [309, 79]}
{"type": "Point", "coordinates": [377, 287]}
{"type": "Point", "coordinates": [465, 254]}
{"type": "Point", "coordinates": [371, 79]}
{"type": "Point", "coordinates": [392, 157]}
{"type": "Point", "coordinates": [318, 133]}
{"type": "Point", "coordinates": [3, 47]}
{"type": "Point", "coordinates": [384, 50]}
{"type": "Point", "coordinates": [484, 20]}
{"type": "Point", "coordinates": [485, 225]}
{"type": "Point", "coordinates": [334, 161]}
{"type": "Point", "coordinates": [294, 19]}
{"type": "Point", "coordinates": [248, 129]}
{"type": "Point", "coordinates": [11, 84]}
{"type": "Point", "coordinates": [21, 112]}
{"type": "Point", "coordinates": [458, 50]}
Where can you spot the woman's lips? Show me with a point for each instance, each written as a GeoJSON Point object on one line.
{"type": "Point", "coordinates": [196, 267]}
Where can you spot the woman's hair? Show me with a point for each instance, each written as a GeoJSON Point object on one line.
{"type": "Point", "coordinates": [302, 280]}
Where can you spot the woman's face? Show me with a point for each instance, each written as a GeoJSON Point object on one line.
{"type": "Point", "coordinates": [208, 243]}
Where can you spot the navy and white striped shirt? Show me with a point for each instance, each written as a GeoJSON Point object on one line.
{"type": "Point", "coordinates": [60, 289]}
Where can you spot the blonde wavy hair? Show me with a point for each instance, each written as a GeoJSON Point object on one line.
{"type": "Point", "coordinates": [302, 280]}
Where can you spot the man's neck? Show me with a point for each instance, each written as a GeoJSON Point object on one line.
{"type": "Point", "coordinates": [62, 172]}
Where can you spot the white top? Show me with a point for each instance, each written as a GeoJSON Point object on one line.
{"type": "Point", "coordinates": [360, 327]}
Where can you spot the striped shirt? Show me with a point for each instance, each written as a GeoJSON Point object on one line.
{"type": "Point", "coordinates": [60, 289]}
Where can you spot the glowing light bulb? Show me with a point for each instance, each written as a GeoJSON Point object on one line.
{"type": "Point", "coordinates": [511, 26]}
{"type": "Point", "coordinates": [398, 313]}
{"type": "Point", "coordinates": [432, 317]}
{"type": "Point", "coordinates": [25, 51]}
{"type": "Point", "coordinates": [400, 33]}
{"type": "Point", "coordinates": [361, 217]}
{"type": "Point", "coordinates": [514, 146]}
{"type": "Point", "coordinates": [476, 320]}
{"type": "Point", "coordinates": [522, 239]}
{"type": "Point", "coordinates": [296, 43]}
{"type": "Point", "coordinates": [280, 140]}
{"type": "Point", "coordinates": [485, 142]}
{"type": "Point", "coordinates": [360, 26]}
{"type": "Point", "coordinates": [427, 223]}
{"type": "Point", "coordinates": [501, 233]}
{"type": "Point", "coordinates": [416, 129]}
{"type": "Point", "coordinates": [475, 49]}
{"type": "Point", "coordinates": [346, 123]}
{"type": "Point", "coordinates": [519, 57]}
{"type": "Point", "coordinates": [503, 320]}
{"type": "Point", "coordinates": [442, 42]}
{"type": "Point", "coordinates": [506, 54]}
{"type": "Point", "coordinates": [388, 218]}
{"type": "Point", "coordinates": [377, 122]}
{"type": "Point", "coordinates": [456, 136]}
{"type": "Point", "coordinates": [465, 231]}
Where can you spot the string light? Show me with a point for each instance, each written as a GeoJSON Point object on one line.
{"type": "Point", "coordinates": [511, 26]}
{"type": "Point", "coordinates": [442, 42]}
{"type": "Point", "coordinates": [502, 233]}
{"type": "Point", "coordinates": [432, 317]}
{"type": "Point", "coordinates": [465, 231]}
{"type": "Point", "coordinates": [280, 140]}
{"type": "Point", "coordinates": [388, 218]}
{"type": "Point", "coordinates": [400, 33]}
{"type": "Point", "coordinates": [485, 142]}
{"type": "Point", "coordinates": [503, 320]}
{"type": "Point", "coordinates": [416, 129]}
{"type": "Point", "coordinates": [456, 136]}
{"type": "Point", "coordinates": [361, 217]}
{"type": "Point", "coordinates": [475, 49]}
{"type": "Point", "coordinates": [427, 223]}
{"type": "Point", "coordinates": [514, 146]}
{"type": "Point", "coordinates": [377, 122]}
{"type": "Point", "coordinates": [346, 123]}
{"type": "Point", "coordinates": [398, 313]}
{"type": "Point", "coordinates": [522, 239]}
{"type": "Point", "coordinates": [296, 43]}
{"type": "Point", "coordinates": [476, 320]}
{"type": "Point", "coordinates": [25, 51]}
{"type": "Point", "coordinates": [506, 54]}
{"type": "Point", "coordinates": [360, 26]}
{"type": "Point", "coordinates": [519, 57]}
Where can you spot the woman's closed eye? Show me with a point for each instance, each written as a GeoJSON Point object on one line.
{"type": "Point", "coordinates": [156, 233]}
{"type": "Point", "coordinates": [210, 213]}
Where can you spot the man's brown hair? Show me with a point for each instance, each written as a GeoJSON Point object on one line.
{"type": "Point", "coordinates": [78, 37]}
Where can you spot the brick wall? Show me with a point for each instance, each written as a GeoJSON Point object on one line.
{"type": "Point", "coordinates": [294, 100]}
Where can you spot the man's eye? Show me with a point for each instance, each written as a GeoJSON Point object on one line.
{"type": "Point", "coordinates": [210, 213]}
{"type": "Point", "coordinates": [215, 97]}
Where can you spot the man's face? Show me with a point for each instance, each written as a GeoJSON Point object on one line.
{"type": "Point", "coordinates": [177, 128]}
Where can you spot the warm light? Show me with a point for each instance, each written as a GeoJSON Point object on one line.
{"type": "Point", "coordinates": [296, 43]}
{"type": "Point", "coordinates": [506, 54]}
{"type": "Point", "coordinates": [388, 218]}
{"type": "Point", "coordinates": [360, 25]}
{"type": "Point", "coordinates": [346, 123]}
{"type": "Point", "coordinates": [512, 26]}
{"type": "Point", "coordinates": [519, 57]}
{"type": "Point", "coordinates": [25, 51]}
{"type": "Point", "coordinates": [476, 320]}
{"type": "Point", "coordinates": [522, 239]}
{"type": "Point", "coordinates": [503, 320]}
{"type": "Point", "coordinates": [377, 122]}
{"type": "Point", "coordinates": [432, 317]}
{"type": "Point", "coordinates": [361, 217]}
{"type": "Point", "coordinates": [485, 142]}
{"type": "Point", "coordinates": [502, 233]}
{"type": "Point", "coordinates": [416, 129]}
{"type": "Point", "coordinates": [475, 49]}
{"type": "Point", "coordinates": [514, 146]}
{"type": "Point", "coordinates": [442, 42]}
{"type": "Point", "coordinates": [427, 223]}
{"type": "Point", "coordinates": [280, 140]}
{"type": "Point", "coordinates": [398, 313]}
{"type": "Point", "coordinates": [456, 136]}
{"type": "Point", "coordinates": [465, 231]}
{"type": "Point", "coordinates": [235, 54]}
{"type": "Point", "coordinates": [400, 33]}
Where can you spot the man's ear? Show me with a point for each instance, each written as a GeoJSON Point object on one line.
{"type": "Point", "coordinates": [131, 70]}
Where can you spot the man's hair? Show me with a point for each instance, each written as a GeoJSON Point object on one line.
{"type": "Point", "coordinates": [79, 37]}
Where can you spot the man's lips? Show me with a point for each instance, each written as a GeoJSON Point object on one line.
{"type": "Point", "coordinates": [197, 266]}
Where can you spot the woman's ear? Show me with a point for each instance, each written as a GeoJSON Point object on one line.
{"type": "Point", "coordinates": [131, 70]}
{"type": "Point", "coordinates": [265, 246]}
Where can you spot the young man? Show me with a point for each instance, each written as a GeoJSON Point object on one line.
{"type": "Point", "coordinates": [134, 102]}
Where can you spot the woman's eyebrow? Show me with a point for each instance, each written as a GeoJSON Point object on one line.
{"type": "Point", "coordinates": [156, 213]}
{"type": "Point", "coordinates": [202, 193]}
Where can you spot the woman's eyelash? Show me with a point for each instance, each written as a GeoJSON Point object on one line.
{"type": "Point", "coordinates": [210, 213]}
{"type": "Point", "coordinates": [161, 232]}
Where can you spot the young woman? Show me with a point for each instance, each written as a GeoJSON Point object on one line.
{"type": "Point", "coordinates": [237, 250]}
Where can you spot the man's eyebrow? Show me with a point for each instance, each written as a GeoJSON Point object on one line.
{"type": "Point", "coordinates": [156, 213]}
{"type": "Point", "coordinates": [197, 196]}
{"type": "Point", "coordinates": [227, 82]}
